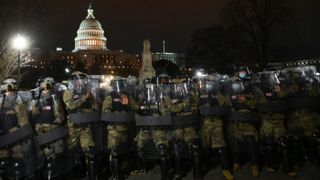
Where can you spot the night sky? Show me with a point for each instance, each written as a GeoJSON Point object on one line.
{"type": "Point", "coordinates": [128, 22]}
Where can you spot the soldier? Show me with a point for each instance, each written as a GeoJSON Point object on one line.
{"type": "Point", "coordinates": [243, 129]}
{"type": "Point", "coordinates": [153, 120]}
{"type": "Point", "coordinates": [19, 155]}
{"type": "Point", "coordinates": [119, 117]}
{"type": "Point", "coordinates": [213, 107]}
{"type": "Point", "coordinates": [272, 131]}
{"type": "Point", "coordinates": [83, 108]}
{"type": "Point", "coordinates": [303, 100]}
{"type": "Point", "coordinates": [49, 122]}
{"type": "Point", "coordinates": [186, 141]}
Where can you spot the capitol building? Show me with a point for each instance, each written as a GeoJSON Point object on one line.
{"type": "Point", "coordinates": [90, 54]}
{"type": "Point", "coordinates": [90, 35]}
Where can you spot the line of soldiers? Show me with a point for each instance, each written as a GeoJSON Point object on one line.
{"type": "Point", "coordinates": [127, 126]}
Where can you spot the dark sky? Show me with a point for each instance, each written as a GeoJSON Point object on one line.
{"type": "Point", "coordinates": [128, 22]}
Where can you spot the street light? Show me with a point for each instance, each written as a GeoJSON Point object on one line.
{"type": "Point", "coordinates": [19, 43]}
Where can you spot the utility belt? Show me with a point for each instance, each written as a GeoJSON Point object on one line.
{"type": "Point", "coordinates": [213, 110]}
{"type": "Point", "coordinates": [250, 117]}
{"type": "Point", "coordinates": [303, 102]}
{"type": "Point", "coordinates": [52, 135]}
{"type": "Point", "coordinates": [163, 120]}
{"type": "Point", "coordinates": [117, 117]}
{"type": "Point", "coordinates": [184, 120]}
{"type": "Point", "coordinates": [18, 135]}
{"type": "Point", "coordinates": [83, 118]}
{"type": "Point", "coordinates": [275, 106]}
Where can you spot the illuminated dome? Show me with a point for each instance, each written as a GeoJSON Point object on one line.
{"type": "Point", "coordinates": [90, 35]}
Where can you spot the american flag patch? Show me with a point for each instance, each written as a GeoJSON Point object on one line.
{"type": "Point", "coordinates": [46, 108]}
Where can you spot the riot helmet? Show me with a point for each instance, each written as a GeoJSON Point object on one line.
{"type": "Point", "coordinates": [269, 81]}
{"type": "Point", "coordinates": [163, 79]}
{"type": "Point", "coordinates": [78, 83]}
{"type": "Point", "coordinates": [47, 83]}
{"type": "Point", "coordinates": [243, 72]}
{"type": "Point", "coordinates": [9, 85]}
{"type": "Point", "coordinates": [118, 84]}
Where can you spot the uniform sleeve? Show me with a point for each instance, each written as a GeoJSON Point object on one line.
{"type": "Point", "coordinates": [34, 109]}
{"type": "Point", "coordinates": [22, 114]}
{"type": "Point", "coordinates": [259, 96]}
{"type": "Point", "coordinates": [70, 103]}
{"type": "Point", "coordinates": [107, 104]}
{"type": "Point", "coordinates": [133, 104]}
{"type": "Point", "coordinates": [58, 110]}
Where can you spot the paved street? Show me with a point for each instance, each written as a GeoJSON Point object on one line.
{"type": "Point", "coordinates": [310, 172]}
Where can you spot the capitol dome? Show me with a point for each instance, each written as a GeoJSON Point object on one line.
{"type": "Point", "coordinates": [90, 35]}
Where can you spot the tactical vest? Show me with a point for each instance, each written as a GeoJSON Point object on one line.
{"type": "Point", "coordinates": [148, 109]}
{"type": "Point", "coordinates": [274, 103]}
{"type": "Point", "coordinates": [46, 108]}
{"type": "Point", "coordinates": [208, 99]}
{"type": "Point", "coordinates": [302, 99]}
{"type": "Point", "coordinates": [186, 100]}
{"type": "Point", "coordinates": [116, 102]}
{"type": "Point", "coordinates": [9, 119]}
{"type": "Point", "coordinates": [85, 105]}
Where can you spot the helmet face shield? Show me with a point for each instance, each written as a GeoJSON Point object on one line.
{"type": "Point", "coordinates": [119, 85]}
{"type": "Point", "coordinates": [269, 80]}
{"type": "Point", "coordinates": [180, 89]}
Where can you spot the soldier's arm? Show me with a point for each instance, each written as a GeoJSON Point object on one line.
{"type": "Point", "coordinates": [133, 104]}
{"type": "Point", "coordinates": [34, 109]}
{"type": "Point", "coordinates": [58, 110]}
{"type": "Point", "coordinates": [259, 97]}
{"type": "Point", "coordinates": [176, 107]}
{"type": "Point", "coordinates": [22, 114]}
{"type": "Point", "coordinates": [107, 104]}
{"type": "Point", "coordinates": [195, 100]}
{"type": "Point", "coordinates": [70, 103]}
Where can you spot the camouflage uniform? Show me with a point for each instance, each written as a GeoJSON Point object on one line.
{"type": "Point", "coordinates": [79, 133]}
{"type": "Point", "coordinates": [84, 112]}
{"type": "Point", "coordinates": [273, 133]}
{"type": "Point", "coordinates": [45, 127]}
{"type": "Point", "coordinates": [185, 136]}
{"type": "Point", "coordinates": [49, 122]}
{"type": "Point", "coordinates": [119, 131]}
{"type": "Point", "coordinates": [302, 128]}
{"type": "Point", "coordinates": [19, 154]}
{"type": "Point", "coordinates": [243, 133]}
{"type": "Point", "coordinates": [212, 134]}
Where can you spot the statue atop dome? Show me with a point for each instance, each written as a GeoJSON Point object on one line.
{"type": "Point", "coordinates": [90, 35]}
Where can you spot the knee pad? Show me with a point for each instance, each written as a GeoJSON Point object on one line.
{"type": "Point", "coordinates": [283, 142]}
{"type": "Point", "coordinates": [90, 152]}
{"type": "Point", "coordinates": [162, 149]}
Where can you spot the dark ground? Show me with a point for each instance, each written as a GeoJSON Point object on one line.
{"type": "Point", "coordinates": [309, 172]}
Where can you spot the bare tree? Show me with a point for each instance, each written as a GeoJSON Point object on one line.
{"type": "Point", "coordinates": [258, 20]}
{"type": "Point", "coordinates": [15, 16]}
{"type": "Point", "coordinates": [9, 62]}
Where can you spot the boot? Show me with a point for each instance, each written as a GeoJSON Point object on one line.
{"type": "Point", "coordinates": [195, 149]}
{"type": "Point", "coordinates": [92, 175]}
{"type": "Point", "coordinates": [236, 167]}
{"type": "Point", "coordinates": [255, 170]}
{"type": "Point", "coordinates": [286, 161]}
{"type": "Point", "coordinates": [140, 164]}
{"type": "Point", "coordinates": [115, 165]}
{"type": "Point", "coordinates": [3, 164]}
{"type": "Point", "coordinates": [163, 161]}
{"type": "Point", "coordinates": [227, 175]}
